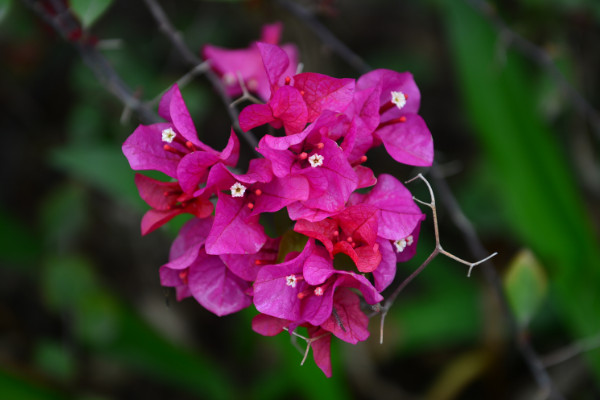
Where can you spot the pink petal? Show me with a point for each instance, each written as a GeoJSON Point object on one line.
{"type": "Point", "coordinates": [276, 62]}
{"type": "Point", "coordinates": [255, 115]}
{"type": "Point", "coordinates": [365, 176]}
{"type": "Point", "coordinates": [393, 81]}
{"type": "Point", "coordinates": [288, 106]}
{"type": "Point", "coordinates": [385, 272]}
{"type": "Point", "coordinates": [144, 150]}
{"type": "Point", "coordinates": [231, 152]}
{"type": "Point", "coordinates": [284, 142]}
{"type": "Point", "coordinates": [154, 219]}
{"type": "Point", "coordinates": [321, 349]}
{"type": "Point", "coordinates": [280, 192]}
{"type": "Point", "coordinates": [271, 33]}
{"type": "Point", "coordinates": [360, 222]}
{"type": "Point", "coordinates": [408, 142]}
{"type": "Point", "coordinates": [188, 242]}
{"type": "Point", "coordinates": [246, 266]}
{"type": "Point", "coordinates": [366, 258]}
{"type": "Point", "coordinates": [318, 267]}
{"type": "Point", "coordinates": [215, 287]}
{"type": "Point", "coordinates": [331, 183]}
{"type": "Point", "coordinates": [173, 108]}
{"type": "Point", "coordinates": [299, 211]}
{"type": "Point", "coordinates": [193, 169]}
{"type": "Point", "coordinates": [398, 213]}
{"type": "Point", "coordinates": [410, 251]}
{"type": "Point", "coordinates": [267, 325]}
{"type": "Point", "coordinates": [281, 160]}
{"type": "Point", "coordinates": [159, 195]}
{"type": "Point", "coordinates": [272, 293]}
{"type": "Point", "coordinates": [322, 92]}
{"type": "Point", "coordinates": [234, 230]}
{"type": "Point", "coordinates": [355, 323]}
{"type": "Point", "coordinates": [320, 230]}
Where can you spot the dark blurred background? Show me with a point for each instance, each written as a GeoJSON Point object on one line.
{"type": "Point", "coordinates": [82, 312]}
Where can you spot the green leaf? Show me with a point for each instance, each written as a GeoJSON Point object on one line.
{"type": "Point", "coordinates": [526, 285]}
{"type": "Point", "coordinates": [102, 167]}
{"type": "Point", "coordinates": [13, 386]}
{"type": "Point", "coordinates": [55, 360]}
{"type": "Point", "coordinates": [537, 189]}
{"type": "Point", "coordinates": [63, 217]}
{"type": "Point", "coordinates": [112, 330]}
{"type": "Point", "coordinates": [18, 245]}
{"type": "Point", "coordinates": [88, 11]}
{"type": "Point", "coordinates": [4, 8]}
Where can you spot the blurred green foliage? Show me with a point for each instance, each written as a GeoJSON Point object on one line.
{"type": "Point", "coordinates": [81, 306]}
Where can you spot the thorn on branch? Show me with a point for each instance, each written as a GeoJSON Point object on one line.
{"type": "Point", "coordinates": [245, 93]}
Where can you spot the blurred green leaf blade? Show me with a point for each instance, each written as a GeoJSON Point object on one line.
{"type": "Point", "coordinates": [534, 180]}
{"type": "Point", "coordinates": [526, 286]}
{"type": "Point", "coordinates": [89, 11]}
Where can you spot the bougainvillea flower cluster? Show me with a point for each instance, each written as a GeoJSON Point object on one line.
{"type": "Point", "coordinates": [347, 228]}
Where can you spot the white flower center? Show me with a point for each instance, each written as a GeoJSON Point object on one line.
{"type": "Point", "coordinates": [168, 135]}
{"type": "Point", "coordinates": [316, 160]}
{"type": "Point", "coordinates": [400, 245]}
{"type": "Point", "coordinates": [399, 99]}
{"type": "Point", "coordinates": [237, 190]}
{"type": "Point", "coordinates": [319, 291]}
{"type": "Point", "coordinates": [409, 240]}
{"type": "Point", "coordinates": [291, 280]}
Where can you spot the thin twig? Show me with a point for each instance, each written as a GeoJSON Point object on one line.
{"type": "Point", "coordinates": [542, 58]}
{"type": "Point", "coordinates": [326, 36]}
{"type": "Point", "coordinates": [184, 80]}
{"type": "Point", "coordinates": [532, 359]}
{"type": "Point", "coordinates": [309, 342]}
{"type": "Point", "coordinates": [245, 93]}
{"type": "Point", "coordinates": [63, 22]}
{"type": "Point", "coordinates": [571, 351]}
{"type": "Point", "coordinates": [175, 37]}
{"type": "Point", "coordinates": [437, 250]}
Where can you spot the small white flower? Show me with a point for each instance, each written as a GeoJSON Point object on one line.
{"type": "Point", "coordinates": [399, 99]}
{"type": "Point", "coordinates": [168, 135]}
{"type": "Point", "coordinates": [291, 280]}
{"type": "Point", "coordinates": [400, 245]}
{"type": "Point", "coordinates": [409, 240]}
{"type": "Point", "coordinates": [319, 291]}
{"type": "Point", "coordinates": [238, 190]}
{"type": "Point", "coordinates": [316, 160]}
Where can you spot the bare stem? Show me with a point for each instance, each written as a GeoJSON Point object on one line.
{"type": "Point", "coordinates": [184, 80]}
{"type": "Point", "coordinates": [531, 358]}
{"type": "Point", "coordinates": [245, 93]}
{"type": "Point", "coordinates": [571, 351]}
{"type": "Point", "coordinates": [175, 37]}
{"type": "Point", "coordinates": [325, 35]}
{"type": "Point", "coordinates": [437, 250]}
{"type": "Point", "coordinates": [63, 22]}
{"type": "Point", "coordinates": [542, 58]}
